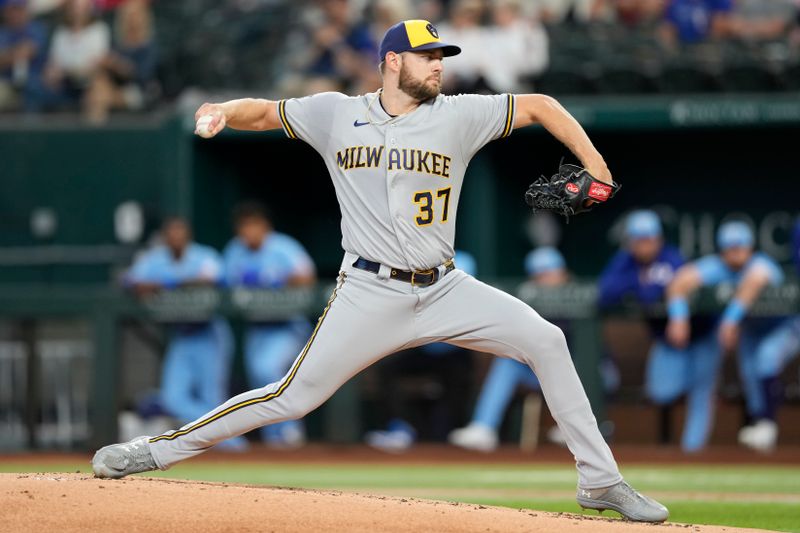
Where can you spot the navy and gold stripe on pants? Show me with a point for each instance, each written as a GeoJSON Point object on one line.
{"type": "Point", "coordinates": [267, 397]}
{"type": "Point", "coordinates": [285, 121]}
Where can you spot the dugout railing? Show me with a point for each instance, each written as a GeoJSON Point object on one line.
{"type": "Point", "coordinates": [30, 365]}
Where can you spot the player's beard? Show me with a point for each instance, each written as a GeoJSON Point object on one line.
{"type": "Point", "coordinates": [418, 89]}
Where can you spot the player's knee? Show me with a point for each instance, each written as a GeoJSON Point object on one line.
{"type": "Point", "coordinates": [298, 407]}
{"type": "Point", "coordinates": [661, 394]}
{"type": "Point", "coordinates": [552, 341]}
{"type": "Point", "coordinates": [546, 343]}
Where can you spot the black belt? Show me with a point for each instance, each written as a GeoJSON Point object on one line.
{"type": "Point", "coordinates": [422, 278]}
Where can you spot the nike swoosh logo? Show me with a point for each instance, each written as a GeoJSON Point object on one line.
{"type": "Point", "coordinates": [358, 124]}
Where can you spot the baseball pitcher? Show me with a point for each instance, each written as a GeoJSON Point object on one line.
{"type": "Point", "coordinates": [397, 159]}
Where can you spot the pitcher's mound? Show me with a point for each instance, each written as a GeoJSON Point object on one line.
{"type": "Point", "coordinates": [80, 503]}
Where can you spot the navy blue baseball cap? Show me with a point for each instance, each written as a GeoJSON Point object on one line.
{"type": "Point", "coordinates": [414, 36]}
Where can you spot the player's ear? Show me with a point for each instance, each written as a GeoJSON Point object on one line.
{"type": "Point", "coordinates": [393, 59]}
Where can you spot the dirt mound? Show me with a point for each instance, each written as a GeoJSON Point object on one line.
{"type": "Point", "coordinates": [78, 502]}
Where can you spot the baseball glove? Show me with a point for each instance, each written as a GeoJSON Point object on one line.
{"type": "Point", "coordinates": [569, 192]}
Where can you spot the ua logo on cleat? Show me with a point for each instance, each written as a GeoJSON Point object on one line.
{"type": "Point", "coordinates": [586, 493]}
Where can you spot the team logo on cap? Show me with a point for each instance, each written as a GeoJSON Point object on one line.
{"type": "Point", "coordinates": [432, 30]}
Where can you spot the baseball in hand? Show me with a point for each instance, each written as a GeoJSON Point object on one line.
{"type": "Point", "coordinates": [202, 128]}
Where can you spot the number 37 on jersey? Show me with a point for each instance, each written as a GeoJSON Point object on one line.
{"type": "Point", "coordinates": [434, 204]}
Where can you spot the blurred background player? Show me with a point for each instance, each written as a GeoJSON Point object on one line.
{"type": "Point", "coordinates": [261, 258]}
{"type": "Point", "coordinates": [691, 367]}
{"type": "Point", "coordinates": [774, 352]}
{"type": "Point", "coordinates": [545, 266]}
{"type": "Point", "coordinates": [197, 363]}
{"type": "Point", "coordinates": [639, 273]}
{"type": "Point", "coordinates": [449, 368]}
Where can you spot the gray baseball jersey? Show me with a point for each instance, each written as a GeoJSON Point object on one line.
{"type": "Point", "coordinates": [398, 180]}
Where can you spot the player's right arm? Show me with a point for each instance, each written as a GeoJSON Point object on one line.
{"type": "Point", "coordinates": [687, 280]}
{"type": "Point", "coordinates": [549, 113]}
{"type": "Point", "coordinates": [251, 114]}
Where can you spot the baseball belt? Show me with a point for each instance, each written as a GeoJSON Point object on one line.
{"type": "Point", "coordinates": [421, 278]}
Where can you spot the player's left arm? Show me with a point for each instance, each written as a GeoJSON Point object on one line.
{"type": "Point", "coordinates": [545, 110]}
{"type": "Point", "coordinates": [750, 287]}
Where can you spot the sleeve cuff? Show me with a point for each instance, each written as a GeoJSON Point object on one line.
{"type": "Point", "coordinates": [508, 125]}
{"type": "Point", "coordinates": [287, 128]}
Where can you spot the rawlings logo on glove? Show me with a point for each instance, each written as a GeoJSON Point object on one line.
{"type": "Point", "coordinates": [571, 191]}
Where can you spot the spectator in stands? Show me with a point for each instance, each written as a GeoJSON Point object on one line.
{"type": "Point", "coordinates": [22, 55]}
{"type": "Point", "coordinates": [692, 366]}
{"type": "Point", "coordinates": [197, 364]}
{"type": "Point", "coordinates": [637, 13]}
{"type": "Point", "coordinates": [386, 13]}
{"type": "Point", "coordinates": [126, 75]}
{"type": "Point", "coordinates": [261, 258]}
{"type": "Point", "coordinates": [108, 5]}
{"type": "Point", "coordinates": [777, 349]}
{"type": "Point", "coordinates": [554, 12]}
{"type": "Point", "coordinates": [446, 364]}
{"type": "Point", "coordinates": [463, 73]}
{"type": "Point", "coordinates": [79, 45]}
{"type": "Point", "coordinates": [759, 20]}
{"type": "Point", "coordinates": [694, 21]}
{"type": "Point", "coordinates": [430, 10]}
{"type": "Point", "coordinates": [522, 42]}
{"type": "Point", "coordinates": [345, 54]}
{"type": "Point", "coordinates": [43, 7]}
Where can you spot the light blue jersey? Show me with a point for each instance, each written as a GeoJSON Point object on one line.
{"type": "Point", "coordinates": [714, 271]}
{"type": "Point", "coordinates": [160, 266]}
{"type": "Point", "coordinates": [278, 259]}
{"type": "Point", "coordinates": [196, 367]}
{"type": "Point", "coordinates": [270, 348]}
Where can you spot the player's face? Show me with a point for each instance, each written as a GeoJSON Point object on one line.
{"type": "Point", "coordinates": [551, 278]}
{"type": "Point", "coordinates": [645, 250]}
{"type": "Point", "coordinates": [177, 236]}
{"type": "Point", "coordinates": [736, 257]}
{"type": "Point", "coordinates": [421, 74]}
{"type": "Point", "coordinates": [252, 231]}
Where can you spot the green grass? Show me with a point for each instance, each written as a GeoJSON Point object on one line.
{"type": "Point", "coordinates": [765, 497]}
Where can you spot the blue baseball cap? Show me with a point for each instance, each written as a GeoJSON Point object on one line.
{"type": "Point", "coordinates": [543, 259]}
{"type": "Point", "coordinates": [733, 235]}
{"type": "Point", "coordinates": [413, 36]}
{"type": "Point", "coordinates": [643, 224]}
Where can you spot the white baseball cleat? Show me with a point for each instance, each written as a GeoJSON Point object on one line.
{"type": "Point", "coordinates": [625, 500]}
{"type": "Point", "coordinates": [119, 460]}
{"type": "Point", "coordinates": [474, 437]}
{"type": "Point", "coordinates": [761, 436]}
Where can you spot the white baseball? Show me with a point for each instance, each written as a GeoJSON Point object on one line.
{"type": "Point", "coordinates": [202, 127]}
